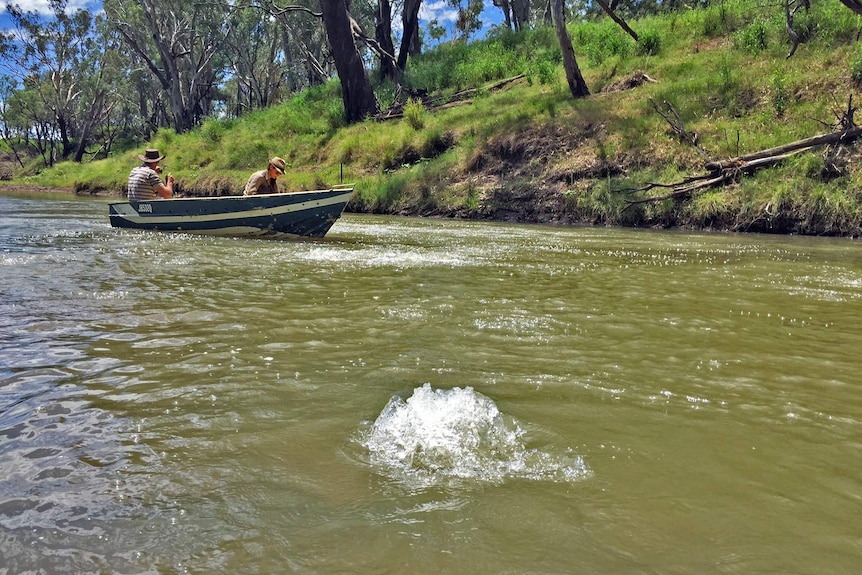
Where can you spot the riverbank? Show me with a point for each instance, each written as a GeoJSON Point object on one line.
{"type": "Point", "coordinates": [509, 143]}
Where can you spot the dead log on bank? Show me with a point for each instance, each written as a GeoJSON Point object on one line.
{"type": "Point", "coordinates": [462, 98]}
{"type": "Point", "coordinates": [726, 171]}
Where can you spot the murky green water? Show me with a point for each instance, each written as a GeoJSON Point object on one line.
{"type": "Point", "coordinates": [423, 396]}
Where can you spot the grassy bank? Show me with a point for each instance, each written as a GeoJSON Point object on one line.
{"type": "Point", "coordinates": [529, 152]}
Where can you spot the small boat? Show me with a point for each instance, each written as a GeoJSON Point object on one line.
{"type": "Point", "coordinates": [271, 216]}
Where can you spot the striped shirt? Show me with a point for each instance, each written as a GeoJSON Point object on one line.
{"type": "Point", "coordinates": [143, 182]}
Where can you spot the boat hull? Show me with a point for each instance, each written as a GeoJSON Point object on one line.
{"type": "Point", "coordinates": [270, 216]}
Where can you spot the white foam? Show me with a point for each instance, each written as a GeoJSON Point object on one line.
{"type": "Point", "coordinates": [440, 436]}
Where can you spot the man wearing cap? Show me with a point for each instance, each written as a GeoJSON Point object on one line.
{"type": "Point", "coordinates": [144, 181]}
{"type": "Point", "coordinates": [264, 181]}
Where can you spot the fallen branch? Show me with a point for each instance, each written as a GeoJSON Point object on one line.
{"type": "Point", "coordinates": [464, 97]}
{"type": "Point", "coordinates": [725, 171]}
{"type": "Point", "coordinates": [677, 125]}
{"type": "Point", "coordinates": [841, 137]}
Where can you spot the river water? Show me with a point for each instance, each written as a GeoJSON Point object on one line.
{"type": "Point", "coordinates": [424, 396]}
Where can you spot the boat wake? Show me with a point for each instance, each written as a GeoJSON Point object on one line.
{"type": "Point", "coordinates": [440, 437]}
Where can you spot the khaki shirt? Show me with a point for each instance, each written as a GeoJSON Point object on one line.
{"type": "Point", "coordinates": [258, 183]}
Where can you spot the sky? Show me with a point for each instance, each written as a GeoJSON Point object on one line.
{"type": "Point", "coordinates": [41, 6]}
{"type": "Point", "coordinates": [430, 9]}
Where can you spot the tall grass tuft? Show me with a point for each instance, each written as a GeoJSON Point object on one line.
{"type": "Point", "coordinates": [649, 42]}
{"type": "Point", "coordinates": [414, 113]}
{"type": "Point", "coordinates": [754, 38]}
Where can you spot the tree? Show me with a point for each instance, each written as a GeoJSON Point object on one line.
{"type": "Point", "coordinates": [51, 58]}
{"type": "Point", "coordinates": [515, 12]}
{"type": "Point", "coordinates": [409, 36]}
{"type": "Point", "coordinates": [383, 35]}
{"type": "Point", "coordinates": [304, 43]}
{"type": "Point", "coordinates": [14, 130]}
{"type": "Point", "coordinates": [576, 82]}
{"type": "Point", "coordinates": [611, 11]}
{"type": "Point", "coordinates": [854, 5]}
{"type": "Point", "coordinates": [179, 42]}
{"type": "Point", "coordinates": [257, 61]}
{"type": "Point", "coordinates": [468, 16]}
{"type": "Point", "coordinates": [356, 92]}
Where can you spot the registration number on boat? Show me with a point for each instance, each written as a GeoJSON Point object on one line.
{"type": "Point", "coordinates": [145, 208]}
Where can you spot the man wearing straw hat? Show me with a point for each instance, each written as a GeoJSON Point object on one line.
{"type": "Point", "coordinates": [144, 181]}
{"type": "Point", "coordinates": [264, 181]}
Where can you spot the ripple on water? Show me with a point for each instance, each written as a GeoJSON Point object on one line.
{"type": "Point", "coordinates": [441, 437]}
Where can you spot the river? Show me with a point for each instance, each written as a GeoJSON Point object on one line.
{"type": "Point", "coordinates": [426, 396]}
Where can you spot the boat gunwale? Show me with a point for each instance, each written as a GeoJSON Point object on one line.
{"type": "Point", "coordinates": [346, 188]}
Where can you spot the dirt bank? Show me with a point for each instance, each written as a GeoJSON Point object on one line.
{"type": "Point", "coordinates": [33, 189]}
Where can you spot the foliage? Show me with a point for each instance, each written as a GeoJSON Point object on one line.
{"type": "Point", "coordinates": [718, 19]}
{"type": "Point", "coordinates": [649, 42]}
{"type": "Point", "coordinates": [754, 38]}
{"type": "Point", "coordinates": [602, 40]}
{"type": "Point", "coordinates": [856, 68]}
{"type": "Point", "coordinates": [458, 65]}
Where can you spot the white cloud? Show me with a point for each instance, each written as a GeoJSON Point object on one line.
{"type": "Point", "coordinates": [42, 7]}
{"type": "Point", "coordinates": [440, 10]}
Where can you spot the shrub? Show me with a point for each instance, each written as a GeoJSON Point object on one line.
{"type": "Point", "coordinates": [649, 43]}
{"type": "Point", "coordinates": [753, 38]}
{"type": "Point", "coordinates": [414, 113]}
{"type": "Point", "coordinates": [212, 131]}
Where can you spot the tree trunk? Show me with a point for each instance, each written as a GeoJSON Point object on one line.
{"type": "Point", "coordinates": [410, 20]}
{"type": "Point", "coordinates": [577, 85]}
{"type": "Point", "coordinates": [507, 11]}
{"type": "Point", "coordinates": [356, 92]}
{"type": "Point", "coordinates": [383, 35]}
{"type": "Point", "coordinates": [520, 14]}
{"type": "Point", "coordinates": [854, 5]}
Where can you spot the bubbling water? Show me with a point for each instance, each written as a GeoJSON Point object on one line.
{"type": "Point", "coordinates": [447, 436]}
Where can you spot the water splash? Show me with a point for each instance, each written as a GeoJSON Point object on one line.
{"type": "Point", "coordinates": [443, 436]}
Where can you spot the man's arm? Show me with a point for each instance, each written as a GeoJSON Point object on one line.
{"type": "Point", "coordinates": [166, 191]}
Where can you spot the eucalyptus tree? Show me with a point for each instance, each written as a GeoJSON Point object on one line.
{"type": "Point", "coordinates": [58, 61]}
{"type": "Point", "coordinates": [383, 36]}
{"type": "Point", "coordinates": [342, 32]}
{"type": "Point", "coordinates": [15, 124]}
{"type": "Point", "coordinates": [469, 12]}
{"type": "Point", "coordinates": [516, 13]}
{"type": "Point", "coordinates": [304, 42]}
{"type": "Point", "coordinates": [258, 61]}
{"type": "Point", "coordinates": [577, 84]}
{"type": "Point", "coordinates": [28, 125]}
{"type": "Point", "coordinates": [100, 91]}
{"type": "Point", "coordinates": [356, 91]}
{"type": "Point", "coordinates": [180, 43]}
{"type": "Point", "coordinates": [410, 44]}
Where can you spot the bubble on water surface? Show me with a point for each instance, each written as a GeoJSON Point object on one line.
{"type": "Point", "coordinates": [440, 436]}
